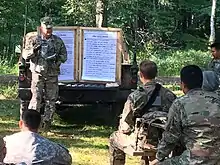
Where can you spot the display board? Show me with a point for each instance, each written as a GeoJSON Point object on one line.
{"type": "Point", "coordinates": [68, 70]}
{"type": "Point", "coordinates": [93, 54]}
{"type": "Point", "coordinates": [99, 56]}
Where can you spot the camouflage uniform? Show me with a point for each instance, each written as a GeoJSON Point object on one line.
{"type": "Point", "coordinates": [31, 148]}
{"type": "Point", "coordinates": [195, 118]}
{"type": "Point", "coordinates": [136, 101]}
{"type": "Point", "coordinates": [45, 71]}
{"type": "Point", "coordinates": [214, 65]}
{"type": "Point", "coordinates": [210, 81]}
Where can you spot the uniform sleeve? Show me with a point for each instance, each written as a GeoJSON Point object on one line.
{"type": "Point", "coordinates": [172, 133]}
{"type": "Point", "coordinates": [64, 156]}
{"type": "Point", "coordinates": [135, 102]}
{"type": "Point", "coordinates": [210, 65]}
{"type": "Point", "coordinates": [62, 56]}
{"type": "Point", "coordinates": [126, 122]}
{"type": "Point", "coordinates": [28, 50]}
{"type": "Point", "coordinates": [170, 97]}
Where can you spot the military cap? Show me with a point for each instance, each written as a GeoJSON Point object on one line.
{"type": "Point", "coordinates": [47, 21]}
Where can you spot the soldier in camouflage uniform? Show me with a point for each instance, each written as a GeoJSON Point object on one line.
{"type": "Point", "coordinates": [214, 64]}
{"type": "Point", "coordinates": [46, 53]}
{"type": "Point", "coordinates": [136, 101]}
{"type": "Point", "coordinates": [194, 118]}
{"type": "Point", "coordinates": [29, 147]}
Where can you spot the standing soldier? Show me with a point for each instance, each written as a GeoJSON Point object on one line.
{"type": "Point", "coordinates": [46, 53]}
{"type": "Point", "coordinates": [214, 65]}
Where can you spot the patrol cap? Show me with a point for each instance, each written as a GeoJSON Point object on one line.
{"type": "Point", "coordinates": [47, 21]}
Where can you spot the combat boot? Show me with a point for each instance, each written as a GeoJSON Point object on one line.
{"type": "Point", "coordinates": [46, 126]}
{"type": "Point", "coordinates": [114, 161]}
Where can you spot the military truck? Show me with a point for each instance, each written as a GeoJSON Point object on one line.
{"type": "Point", "coordinates": [74, 92]}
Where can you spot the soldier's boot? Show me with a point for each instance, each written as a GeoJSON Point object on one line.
{"type": "Point", "coordinates": [117, 162]}
{"type": "Point", "coordinates": [46, 126]}
{"type": "Point", "coordinates": [144, 160]}
{"type": "Point", "coordinates": [117, 156]}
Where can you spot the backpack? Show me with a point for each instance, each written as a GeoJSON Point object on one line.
{"type": "Point", "coordinates": [150, 122]}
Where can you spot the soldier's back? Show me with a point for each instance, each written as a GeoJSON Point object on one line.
{"type": "Point", "coordinates": [199, 113]}
{"type": "Point", "coordinates": [141, 96]}
{"type": "Point", "coordinates": [31, 147]}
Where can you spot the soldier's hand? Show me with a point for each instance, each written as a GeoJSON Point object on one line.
{"type": "Point", "coordinates": [154, 162]}
{"type": "Point", "coordinates": [37, 47]}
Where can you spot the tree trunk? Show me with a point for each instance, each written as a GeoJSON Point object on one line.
{"type": "Point", "coordinates": [105, 13]}
{"type": "Point", "coordinates": [212, 22]}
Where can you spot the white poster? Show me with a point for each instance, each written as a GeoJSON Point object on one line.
{"type": "Point", "coordinates": [67, 68]}
{"type": "Point", "coordinates": [99, 56]}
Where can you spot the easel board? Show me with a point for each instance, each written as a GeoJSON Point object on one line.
{"type": "Point", "coordinates": [69, 69]}
{"type": "Point", "coordinates": [100, 55]}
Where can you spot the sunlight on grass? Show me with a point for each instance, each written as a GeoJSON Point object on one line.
{"type": "Point", "coordinates": [88, 145]}
{"type": "Point", "coordinates": [5, 68]}
{"type": "Point", "coordinates": [8, 91]}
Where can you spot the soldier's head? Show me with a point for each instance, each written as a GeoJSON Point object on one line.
{"type": "Point", "coordinates": [30, 120]}
{"type": "Point", "coordinates": [147, 71]}
{"type": "Point", "coordinates": [191, 78]}
{"type": "Point", "coordinates": [215, 49]}
{"type": "Point", "coordinates": [46, 26]}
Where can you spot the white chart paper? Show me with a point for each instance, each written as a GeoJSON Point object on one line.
{"type": "Point", "coordinates": [67, 68]}
{"type": "Point", "coordinates": [99, 56]}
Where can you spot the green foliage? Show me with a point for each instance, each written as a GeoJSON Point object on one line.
{"type": "Point", "coordinates": [8, 65]}
{"type": "Point", "coordinates": [8, 91]}
{"type": "Point", "coordinates": [79, 13]}
{"type": "Point", "coordinates": [163, 28]}
{"type": "Point", "coordinates": [170, 62]}
{"type": "Point", "coordinates": [7, 69]}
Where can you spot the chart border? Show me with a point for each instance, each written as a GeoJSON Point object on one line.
{"type": "Point", "coordinates": [75, 49]}
{"type": "Point", "coordinates": [118, 54]}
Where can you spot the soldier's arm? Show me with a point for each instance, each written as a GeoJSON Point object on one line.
{"type": "Point", "coordinates": [172, 133]}
{"type": "Point", "coordinates": [135, 102]}
{"type": "Point", "coordinates": [29, 50]}
{"type": "Point", "coordinates": [126, 121]}
{"type": "Point", "coordinates": [170, 99]}
{"type": "Point", "coordinates": [64, 156]}
{"type": "Point", "coordinates": [62, 56]}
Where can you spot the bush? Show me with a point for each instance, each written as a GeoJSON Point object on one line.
{"type": "Point", "coordinates": [170, 62]}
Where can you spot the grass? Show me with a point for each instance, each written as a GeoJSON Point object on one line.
{"type": "Point", "coordinates": [88, 144]}
{"type": "Point", "coordinates": [8, 91]}
{"type": "Point", "coordinates": [7, 69]}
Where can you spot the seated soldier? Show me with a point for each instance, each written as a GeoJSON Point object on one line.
{"type": "Point", "coordinates": [136, 104]}
{"type": "Point", "coordinates": [29, 147]}
{"type": "Point", "coordinates": [194, 118]}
